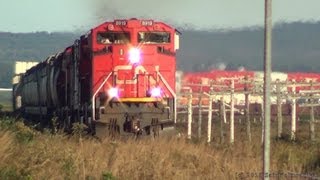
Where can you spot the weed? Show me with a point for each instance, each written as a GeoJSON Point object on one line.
{"type": "Point", "coordinates": [23, 133]}
{"type": "Point", "coordinates": [12, 173]}
{"type": "Point", "coordinates": [313, 164]}
{"type": "Point", "coordinates": [7, 123]}
{"type": "Point", "coordinates": [78, 129]}
{"type": "Point", "coordinates": [108, 176]}
{"type": "Point", "coordinates": [68, 167]}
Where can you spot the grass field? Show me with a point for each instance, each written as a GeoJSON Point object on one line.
{"type": "Point", "coordinates": [5, 100]}
{"type": "Point", "coordinates": [28, 154]}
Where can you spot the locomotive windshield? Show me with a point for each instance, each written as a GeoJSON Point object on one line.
{"type": "Point", "coordinates": [113, 37]}
{"type": "Point", "coordinates": [153, 37]}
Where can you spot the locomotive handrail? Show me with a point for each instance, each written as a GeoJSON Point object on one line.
{"type": "Point", "coordinates": [94, 96]}
{"type": "Point", "coordinates": [173, 94]}
{"type": "Point", "coordinates": [167, 85]}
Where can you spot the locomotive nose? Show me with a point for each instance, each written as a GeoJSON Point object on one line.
{"type": "Point", "coordinates": [134, 55]}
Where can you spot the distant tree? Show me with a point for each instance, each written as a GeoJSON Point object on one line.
{"type": "Point", "coordinates": [296, 47]}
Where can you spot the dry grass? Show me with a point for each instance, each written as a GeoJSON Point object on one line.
{"type": "Point", "coordinates": [26, 154]}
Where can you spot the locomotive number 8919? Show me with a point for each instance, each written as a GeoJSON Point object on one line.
{"type": "Point", "coordinates": [117, 78]}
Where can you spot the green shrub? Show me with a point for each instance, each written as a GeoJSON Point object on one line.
{"type": "Point", "coordinates": [7, 123]}
{"type": "Point", "coordinates": [313, 164]}
{"type": "Point", "coordinates": [24, 134]}
{"type": "Point", "coordinates": [78, 129]}
{"type": "Point", "coordinates": [108, 176]}
{"type": "Point", "coordinates": [12, 173]}
{"type": "Point", "coordinates": [69, 168]}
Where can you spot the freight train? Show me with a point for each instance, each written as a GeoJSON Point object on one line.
{"type": "Point", "coordinates": [119, 76]}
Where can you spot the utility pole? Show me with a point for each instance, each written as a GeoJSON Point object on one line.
{"type": "Point", "coordinates": [267, 86]}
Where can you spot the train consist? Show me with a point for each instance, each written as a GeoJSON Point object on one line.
{"type": "Point", "coordinates": [119, 76]}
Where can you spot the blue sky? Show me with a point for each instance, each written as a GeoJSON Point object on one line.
{"type": "Point", "coordinates": [69, 15]}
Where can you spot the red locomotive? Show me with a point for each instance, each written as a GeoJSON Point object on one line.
{"type": "Point", "coordinates": [120, 75]}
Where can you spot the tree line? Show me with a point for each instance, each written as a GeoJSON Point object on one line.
{"type": "Point", "coordinates": [296, 47]}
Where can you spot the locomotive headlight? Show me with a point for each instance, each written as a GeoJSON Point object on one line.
{"type": "Point", "coordinates": [113, 92]}
{"type": "Point", "coordinates": [155, 92]}
{"type": "Point", "coordinates": [134, 55]}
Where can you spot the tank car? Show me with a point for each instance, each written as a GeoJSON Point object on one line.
{"type": "Point", "coordinates": [117, 78]}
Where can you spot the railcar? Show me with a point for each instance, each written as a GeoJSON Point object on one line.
{"type": "Point", "coordinates": [117, 78]}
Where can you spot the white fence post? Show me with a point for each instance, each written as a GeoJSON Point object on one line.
{"type": "Point", "coordinates": [312, 133]}
{"type": "Point", "coordinates": [232, 112]}
{"type": "Point", "coordinates": [293, 112]}
{"type": "Point", "coordinates": [210, 115]}
{"type": "Point", "coordinates": [279, 108]}
{"type": "Point", "coordinates": [224, 115]}
{"type": "Point", "coordinates": [200, 115]}
{"type": "Point", "coordinates": [189, 113]}
{"type": "Point", "coordinates": [247, 108]}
